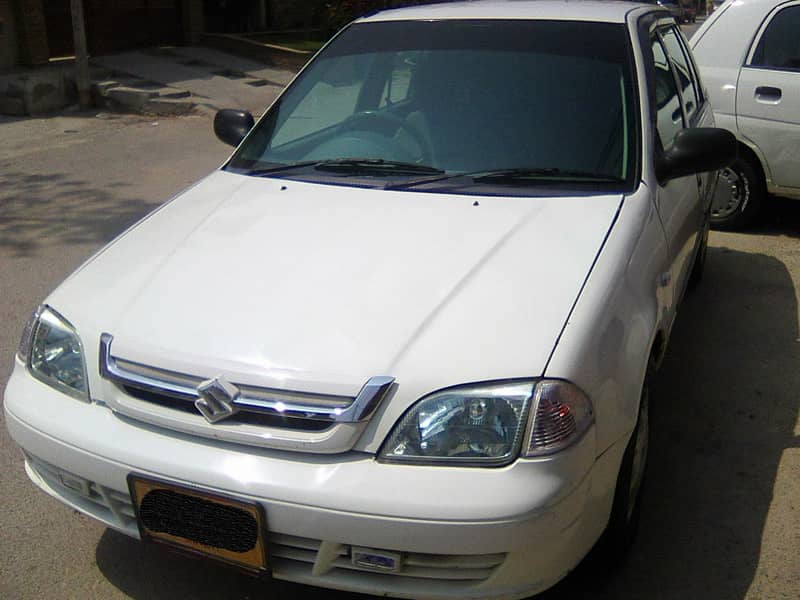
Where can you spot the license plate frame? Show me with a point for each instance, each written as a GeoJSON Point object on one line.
{"type": "Point", "coordinates": [253, 560]}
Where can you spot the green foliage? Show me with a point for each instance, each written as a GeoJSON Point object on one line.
{"type": "Point", "coordinates": [341, 12]}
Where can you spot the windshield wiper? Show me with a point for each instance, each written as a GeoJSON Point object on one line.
{"type": "Point", "coordinates": [374, 164]}
{"type": "Point", "coordinates": [279, 168]}
{"type": "Point", "coordinates": [521, 174]}
{"type": "Point", "coordinates": [351, 165]}
{"type": "Point", "coordinates": [515, 175]}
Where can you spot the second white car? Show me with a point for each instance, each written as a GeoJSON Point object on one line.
{"type": "Point", "coordinates": [748, 52]}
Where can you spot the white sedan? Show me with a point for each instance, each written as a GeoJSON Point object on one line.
{"type": "Point", "coordinates": [399, 342]}
{"type": "Point", "coordinates": [749, 54]}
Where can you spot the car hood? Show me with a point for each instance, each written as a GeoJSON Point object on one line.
{"type": "Point", "coordinates": [319, 287]}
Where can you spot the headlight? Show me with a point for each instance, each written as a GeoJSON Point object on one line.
{"type": "Point", "coordinates": [484, 424]}
{"type": "Point", "coordinates": [53, 353]}
{"type": "Point", "coordinates": [469, 425]}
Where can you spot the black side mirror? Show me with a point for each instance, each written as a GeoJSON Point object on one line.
{"type": "Point", "coordinates": [696, 151]}
{"type": "Point", "coordinates": [231, 125]}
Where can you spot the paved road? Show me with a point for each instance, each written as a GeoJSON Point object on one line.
{"type": "Point", "coordinates": [721, 518]}
{"type": "Point", "coordinates": [215, 79]}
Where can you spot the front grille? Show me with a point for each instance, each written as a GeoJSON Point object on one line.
{"type": "Point", "coordinates": [244, 416]}
{"type": "Point", "coordinates": [231, 411]}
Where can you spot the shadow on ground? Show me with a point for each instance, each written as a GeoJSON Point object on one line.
{"type": "Point", "coordinates": [57, 208]}
{"type": "Point", "coordinates": [723, 411]}
{"type": "Point", "coordinates": [779, 216]}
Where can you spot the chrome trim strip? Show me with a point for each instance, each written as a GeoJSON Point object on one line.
{"type": "Point", "coordinates": [361, 409]}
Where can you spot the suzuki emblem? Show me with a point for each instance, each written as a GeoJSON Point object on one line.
{"type": "Point", "coordinates": [217, 397]}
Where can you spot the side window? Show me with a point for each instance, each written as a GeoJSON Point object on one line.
{"type": "Point", "coordinates": [330, 101]}
{"type": "Point", "coordinates": [779, 47]}
{"type": "Point", "coordinates": [668, 105]}
{"type": "Point", "coordinates": [689, 91]}
{"type": "Point", "coordinates": [397, 84]}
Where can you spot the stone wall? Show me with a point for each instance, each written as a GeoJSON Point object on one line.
{"type": "Point", "coordinates": [8, 36]}
{"type": "Point", "coordinates": [31, 32]}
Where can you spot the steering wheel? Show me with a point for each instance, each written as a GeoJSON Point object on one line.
{"type": "Point", "coordinates": [386, 124]}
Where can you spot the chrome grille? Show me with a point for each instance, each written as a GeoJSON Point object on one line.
{"type": "Point", "coordinates": [245, 414]}
{"type": "Point", "coordinates": [184, 386]}
{"type": "Point", "coordinates": [259, 416]}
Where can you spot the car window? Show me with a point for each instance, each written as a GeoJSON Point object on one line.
{"type": "Point", "coordinates": [398, 83]}
{"type": "Point", "coordinates": [668, 105]}
{"type": "Point", "coordinates": [779, 46]}
{"type": "Point", "coordinates": [689, 91]}
{"type": "Point", "coordinates": [460, 96]}
{"type": "Point", "coordinates": [329, 100]}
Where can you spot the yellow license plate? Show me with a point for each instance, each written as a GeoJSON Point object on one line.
{"type": "Point", "coordinates": [200, 522]}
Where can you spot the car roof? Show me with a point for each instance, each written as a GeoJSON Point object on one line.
{"type": "Point", "coordinates": [605, 11]}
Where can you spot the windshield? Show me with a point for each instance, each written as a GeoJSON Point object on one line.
{"type": "Point", "coordinates": [542, 100]}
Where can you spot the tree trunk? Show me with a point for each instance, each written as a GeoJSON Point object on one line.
{"type": "Point", "coordinates": [81, 55]}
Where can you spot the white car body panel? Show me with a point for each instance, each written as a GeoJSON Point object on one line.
{"type": "Point", "coordinates": [315, 288]}
{"type": "Point", "coordinates": [553, 498]}
{"type": "Point", "coordinates": [393, 322]}
{"type": "Point", "coordinates": [723, 47]}
{"type": "Point", "coordinates": [600, 12]}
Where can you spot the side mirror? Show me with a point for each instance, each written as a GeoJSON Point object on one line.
{"type": "Point", "coordinates": [231, 125]}
{"type": "Point", "coordinates": [696, 151]}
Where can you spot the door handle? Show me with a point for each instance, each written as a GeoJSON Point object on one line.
{"type": "Point", "coordinates": [768, 94]}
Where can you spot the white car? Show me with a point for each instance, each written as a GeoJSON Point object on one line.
{"type": "Point", "coordinates": [748, 52]}
{"type": "Point", "coordinates": [399, 342]}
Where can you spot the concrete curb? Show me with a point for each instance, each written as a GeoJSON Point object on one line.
{"type": "Point", "coordinates": [127, 96]}
{"type": "Point", "coordinates": [42, 91]}
{"type": "Point", "coordinates": [36, 91]}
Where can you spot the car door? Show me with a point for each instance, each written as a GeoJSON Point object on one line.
{"type": "Point", "coordinates": [768, 94]}
{"type": "Point", "coordinates": [680, 103]}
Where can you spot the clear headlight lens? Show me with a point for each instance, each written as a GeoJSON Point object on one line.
{"type": "Point", "coordinates": [475, 424]}
{"type": "Point", "coordinates": [561, 415]}
{"type": "Point", "coordinates": [53, 353]}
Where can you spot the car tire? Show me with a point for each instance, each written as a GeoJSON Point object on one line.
{"type": "Point", "coordinates": [746, 190]}
{"type": "Point", "coordinates": [624, 521]}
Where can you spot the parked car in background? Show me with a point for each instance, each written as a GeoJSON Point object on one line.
{"type": "Point", "coordinates": [400, 343]}
{"type": "Point", "coordinates": [675, 8]}
{"type": "Point", "coordinates": [713, 5]}
{"type": "Point", "coordinates": [748, 52]}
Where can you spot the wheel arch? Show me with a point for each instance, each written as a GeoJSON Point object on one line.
{"type": "Point", "coordinates": [753, 156]}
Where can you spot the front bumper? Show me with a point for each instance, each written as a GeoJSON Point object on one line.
{"type": "Point", "coordinates": [464, 533]}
